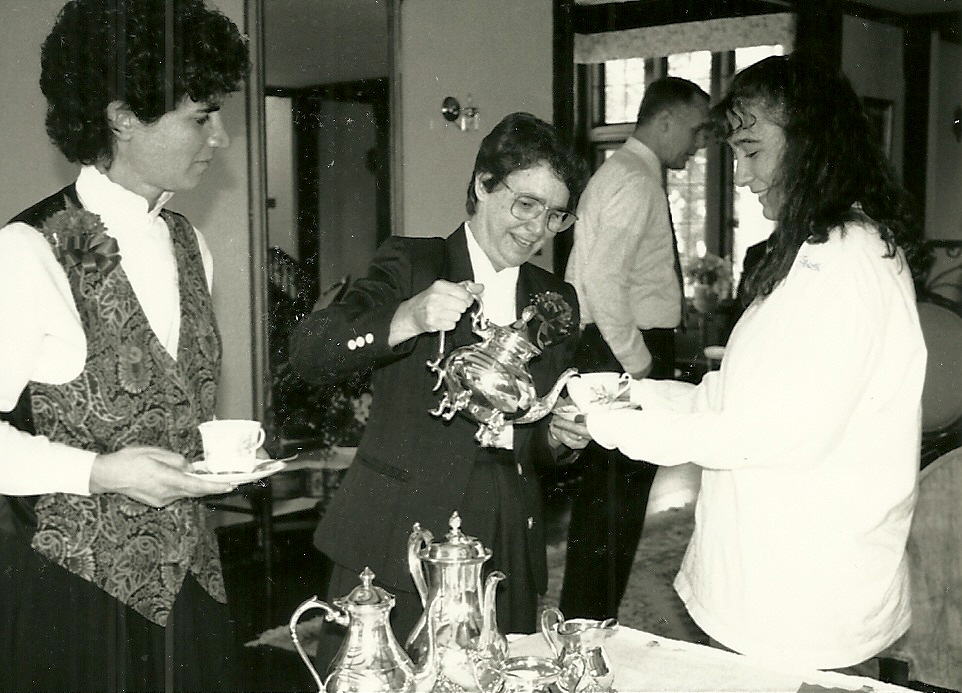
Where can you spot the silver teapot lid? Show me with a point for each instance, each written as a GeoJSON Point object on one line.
{"type": "Point", "coordinates": [457, 547]}
{"type": "Point", "coordinates": [367, 594]}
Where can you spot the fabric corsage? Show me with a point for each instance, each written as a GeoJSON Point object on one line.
{"type": "Point", "coordinates": [80, 240]}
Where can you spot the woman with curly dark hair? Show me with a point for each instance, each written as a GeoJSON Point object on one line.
{"type": "Point", "coordinates": [111, 355]}
{"type": "Point", "coordinates": [808, 436]}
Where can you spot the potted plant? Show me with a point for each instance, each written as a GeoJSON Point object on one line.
{"type": "Point", "coordinates": [711, 279]}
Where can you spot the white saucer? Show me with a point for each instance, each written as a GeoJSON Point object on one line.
{"type": "Point", "coordinates": [262, 470]}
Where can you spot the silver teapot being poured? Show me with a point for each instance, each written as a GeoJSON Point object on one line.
{"type": "Point", "coordinates": [489, 381]}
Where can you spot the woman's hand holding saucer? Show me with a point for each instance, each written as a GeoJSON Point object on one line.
{"type": "Point", "coordinates": [150, 475]}
{"type": "Point", "coordinates": [567, 426]}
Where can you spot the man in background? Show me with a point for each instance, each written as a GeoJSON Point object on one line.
{"type": "Point", "coordinates": [624, 266]}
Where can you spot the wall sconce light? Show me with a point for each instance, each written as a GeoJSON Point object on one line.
{"type": "Point", "coordinates": [957, 124]}
{"type": "Point", "coordinates": [467, 117]}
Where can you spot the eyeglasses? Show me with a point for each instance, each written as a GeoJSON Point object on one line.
{"type": "Point", "coordinates": [527, 207]}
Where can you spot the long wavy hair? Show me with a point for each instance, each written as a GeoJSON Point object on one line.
{"type": "Point", "coordinates": [833, 169]}
{"type": "Point", "coordinates": [148, 54]}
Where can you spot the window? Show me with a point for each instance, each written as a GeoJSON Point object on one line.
{"type": "Point", "coordinates": [702, 220]}
{"type": "Point", "coordinates": [624, 86]}
{"type": "Point", "coordinates": [749, 226]}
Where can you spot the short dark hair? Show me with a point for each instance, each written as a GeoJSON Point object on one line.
{"type": "Point", "coordinates": [832, 161]}
{"type": "Point", "coordinates": [521, 141]}
{"type": "Point", "coordinates": [665, 93]}
{"type": "Point", "coordinates": [100, 51]}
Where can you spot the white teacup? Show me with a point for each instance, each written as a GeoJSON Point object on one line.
{"type": "Point", "coordinates": [594, 391]}
{"type": "Point", "coordinates": [230, 445]}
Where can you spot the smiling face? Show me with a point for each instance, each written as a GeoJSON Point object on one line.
{"type": "Point", "coordinates": [758, 143]}
{"type": "Point", "coordinates": [170, 154]}
{"type": "Point", "coordinates": [506, 240]}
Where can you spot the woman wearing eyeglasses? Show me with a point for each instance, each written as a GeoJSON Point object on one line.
{"type": "Point", "coordinates": [412, 466]}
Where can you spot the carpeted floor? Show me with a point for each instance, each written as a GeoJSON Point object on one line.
{"type": "Point", "coordinates": [650, 602]}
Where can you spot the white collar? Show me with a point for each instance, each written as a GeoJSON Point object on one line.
{"type": "Point", "coordinates": [115, 204]}
{"type": "Point", "coordinates": [481, 263]}
{"type": "Point", "coordinates": [645, 153]}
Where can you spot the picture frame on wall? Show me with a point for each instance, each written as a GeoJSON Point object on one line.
{"type": "Point", "coordinates": [879, 112]}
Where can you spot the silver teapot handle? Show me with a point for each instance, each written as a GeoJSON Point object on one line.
{"type": "Point", "coordinates": [551, 619]}
{"type": "Point", "coordinates": [478, 321]}
{"type": "Point", "coordinates": [330, 615]}
{"type": "Point", "coordinates": [420, 538]}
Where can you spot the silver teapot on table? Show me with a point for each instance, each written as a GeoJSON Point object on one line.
{"type": "Point", "coordinates": [489, 381]}
{"type": "Point", "coordinates": [371, 659]}
{"type": "Point", "coordinates": [457, 635]}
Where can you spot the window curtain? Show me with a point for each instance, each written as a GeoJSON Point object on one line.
{"type": "Point", "coordinates": [715, 35]}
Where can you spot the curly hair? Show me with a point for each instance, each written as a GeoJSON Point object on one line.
{"type": "Point", "coordinates": [833, 169]}
{"type": "Point", "coordinates": [133, 51]}
{"type": "Point", "coordinates": [521, 141]}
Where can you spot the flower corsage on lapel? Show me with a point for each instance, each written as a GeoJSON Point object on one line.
{"type": "Point", "coordinates": [548, 317]}
{"type": "Point", "coordinates": [80, 241]}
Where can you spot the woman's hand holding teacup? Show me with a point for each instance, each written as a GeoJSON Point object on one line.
{"type": "Point", "coordinates": [150, 475]}
{"type": "Point", "coordinates": [572, 433]}
{"type": "Point", "coordinates": [564, 427]}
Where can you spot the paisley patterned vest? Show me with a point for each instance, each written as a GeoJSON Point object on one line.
{"type": "Point", "coordinates": [131, 392]}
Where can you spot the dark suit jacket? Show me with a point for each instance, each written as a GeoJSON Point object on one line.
{"type": "Point", "coordinates": [412, 466]}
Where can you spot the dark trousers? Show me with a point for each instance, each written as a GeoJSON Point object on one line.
{"type": "Point", "coordinates": [608, 510]}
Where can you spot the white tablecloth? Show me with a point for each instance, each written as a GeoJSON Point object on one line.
{"type": "Point", "coordinates": [645, 662]}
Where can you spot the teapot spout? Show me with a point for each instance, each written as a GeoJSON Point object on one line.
{"type": "Point", "coordinates": [540, 408]}
{"type": "Point", "coordinates": [492, 640]}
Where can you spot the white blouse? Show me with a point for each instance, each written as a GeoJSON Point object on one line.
{"type": "Point", "coordinates": [42, 338]}
{"type": "Point", "coordinates": [808, 438]}
{"type": "Point", "coordinates": [500, 299]}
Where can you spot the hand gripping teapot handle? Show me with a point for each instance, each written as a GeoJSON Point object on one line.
{"type": "Point", "coordinates": [331, 615]}
{"type": "Point", "coordinates": [551, 618]}
{"type": "Point", "coordinates": [478, 321]}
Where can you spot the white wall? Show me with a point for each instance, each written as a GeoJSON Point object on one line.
{"type": "Point", "coordinates": [313, 42]}
{"type": "Point", "coordinates": [347, 214]}
{"type": "Point", "coordinates": [31, 168]}
{"type": "Point", "coordinates": [281, 187]}
{"type": "Point", "coordinates": [499, 52]}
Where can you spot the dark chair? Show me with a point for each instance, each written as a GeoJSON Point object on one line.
{"type": "Point", "coordinates": [942, 392]}
{"type": "Point", "coordinates": [932, 648]}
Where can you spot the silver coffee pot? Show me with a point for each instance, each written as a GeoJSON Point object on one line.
{"type": "Point", "coordinates": [370, 659]}
{"type": "Point", "coordinates": [489, 381]}
{"type": "Point", "coordinates": [458, 631]}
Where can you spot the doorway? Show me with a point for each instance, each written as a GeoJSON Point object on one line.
{"type": "Point", "coordinates": [325, 176]}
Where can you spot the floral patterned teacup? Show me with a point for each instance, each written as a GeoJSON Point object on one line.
{"type": "Point", "coordinates": [230, 445]}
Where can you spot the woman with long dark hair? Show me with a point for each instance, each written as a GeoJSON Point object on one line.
{"type": "Point", "coordinates": [808, 436]}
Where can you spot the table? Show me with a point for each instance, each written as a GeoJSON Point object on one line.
{"type": "Point", "coordinates": [261, 502]}
{"type": "Point", "coordinates": [645, 662]}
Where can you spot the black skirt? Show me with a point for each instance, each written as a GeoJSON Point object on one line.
{"type": "Point", "coordinates": [59, 632]}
